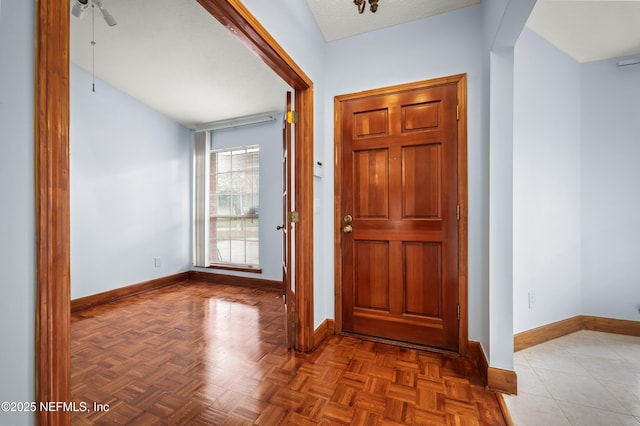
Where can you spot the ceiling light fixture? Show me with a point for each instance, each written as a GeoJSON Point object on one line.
{"type": "Point", "coordinates": [81, 5]}
{"type": "Point", "coordinates": [361, 4]}
{"type": "Point", "coordinates": [78, 9]}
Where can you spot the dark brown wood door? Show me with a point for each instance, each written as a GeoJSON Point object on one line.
{"type": "Point", "coordinates": [399, 215]}
{"type": "Point", "coordinates": [289, 289]}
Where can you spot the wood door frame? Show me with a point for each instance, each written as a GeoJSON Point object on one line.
{"type": "Point", "coordinates": [289, 296]}
{"type": "Point", "coordinates": [461, 81]}
{"type": "Point", "coordinates": [52, 201]}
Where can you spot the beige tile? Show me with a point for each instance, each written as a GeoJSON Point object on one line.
{"type": "Point", "coordinates": [579, 389]}
{"type": "Point", "coordinates": [616, 370]}
{"type": "Point", "coordinates": [534, 410]}
{"type": "Point", "coordinates": [519, 359]}
{"type": "Point", "coordinates": [627, 394]}
{"type": "Point", "coordinates": [629, 352]}
{"type": "Point", "coordinates": [579, 415]}
{"type": "Point", "coordinates": [557, 360]}
{"type": "Point", "coordinates": [529, 382]}
{"type": "Point", "coordinates": [593, 347]}
{"type": "Point", "coordinates": [592, 378]}
{"type": "Point", "coordinates": [632, 406]}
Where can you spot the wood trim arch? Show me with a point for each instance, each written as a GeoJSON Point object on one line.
{"type": "Point", "coordinates": [53, 331]}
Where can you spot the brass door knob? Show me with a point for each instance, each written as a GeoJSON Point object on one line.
{"type": "Point", "coordinates": [347, 229]}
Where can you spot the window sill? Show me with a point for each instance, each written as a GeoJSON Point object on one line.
{"type": "Point", "coordinates": [236, 268]}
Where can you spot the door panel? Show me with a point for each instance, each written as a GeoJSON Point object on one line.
{"type": "Point", "coordinates": [416, 178]}
{"type": "Point", "coordinates": [421, 116]}
{"type": "Point", "coordinates": [399, 254]}
{"type": "Point", "coordinates": [370, 123]}
{"type": "Point", "coordinates": [371, 177]}
{"type": "Point", "coordinates": [372, 260]}
{"type": "Point", "coordinates": [422, 263]}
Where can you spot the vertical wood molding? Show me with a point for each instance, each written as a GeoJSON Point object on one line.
{"type": "Point", "coordinates": [304, 160]}
{"type": "Point", "coordinates": [463, 191]}
{"type": "Point", "coordinates": [53, 329]}
{"type": "Point", "coordinates": [337, 214]}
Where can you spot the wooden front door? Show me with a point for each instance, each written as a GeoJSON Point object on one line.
{"type": "Point", "coordinates": [399, 213]}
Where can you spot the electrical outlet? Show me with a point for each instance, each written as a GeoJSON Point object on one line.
{"type": "Point", "coordinates": [532, 300]}
{"type": "Point", "coordinates": [156, 262]}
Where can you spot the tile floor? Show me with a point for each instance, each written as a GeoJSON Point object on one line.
{"type": "Point", "coordinates": [585, 378]}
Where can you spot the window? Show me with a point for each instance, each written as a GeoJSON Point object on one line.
{"type": "Point", "coordinates": [234, 206]}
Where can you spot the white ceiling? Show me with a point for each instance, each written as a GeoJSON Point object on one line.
{"type": "Point", "coordinates": [339, 18]}
{"type": "Point", "coordinates": [589, 30]}
{"type": "Point", "coordinates": [174, 57]}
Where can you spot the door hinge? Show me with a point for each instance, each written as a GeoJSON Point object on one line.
{"type": "Point", "coordinates": [293, 217]}
{"type": "Point", "coordinates": [292, 317]}
{"type": "Point", "coordinates": [292, 117]}
{"type": "Point", "coordinates": [458, 312]}
{"type": "Point", "coordinates": [458, 112]}
{"type": "Point", "coordinates": [458, 212]}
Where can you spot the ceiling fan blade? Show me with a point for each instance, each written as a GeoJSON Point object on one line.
{"type": "Point", "coordinates": [109, 19]}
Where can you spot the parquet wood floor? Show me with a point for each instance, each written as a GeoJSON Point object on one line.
{"type": "Point", "coordinates": [204, 354]}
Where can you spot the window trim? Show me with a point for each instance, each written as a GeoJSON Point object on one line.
{"type": "Point", "coordinates": [245, 267]}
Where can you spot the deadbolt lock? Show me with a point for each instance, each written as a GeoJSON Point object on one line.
{"type": "Point", "coordinates": [348, 219]}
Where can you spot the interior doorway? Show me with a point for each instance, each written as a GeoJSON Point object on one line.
{"type": "Point", "coordinates": [52, 186]}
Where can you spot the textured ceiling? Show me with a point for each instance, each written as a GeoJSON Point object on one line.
{"type": "Point", "coordinates": [174, 57]}
{"type": "Point", "coordinates": [339, 18]}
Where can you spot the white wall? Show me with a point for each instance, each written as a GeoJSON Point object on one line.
{"type": "Point", "coordinates": [293, 26]}
{"type": "Point", "coordinates": [130, 197]}
{"type": "Point", "coordinates": [17, 215]}
{"type": "Point", "coordinates": [269, 137]}
{"type": "Point", "coordinates": [546, 188]}
{"type": "Point", "coordinates": [576, 144]}
{"type": "Point", "coordinates": [414, 57]}
{"type": "Point", "coordinates": [610, 195]}
{"type": "Point", "coordinates": [504, 22]}
{"type": "Point", "coordinates": [433, 47]}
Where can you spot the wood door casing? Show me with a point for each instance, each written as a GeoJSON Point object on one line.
{"type": "Point", "coordinates": [289, 290]}
{"type": "Point", "coordinates": [398, 176]}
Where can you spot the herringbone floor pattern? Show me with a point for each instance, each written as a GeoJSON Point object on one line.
{"type": "Point", "coordinates": [204, 354]}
